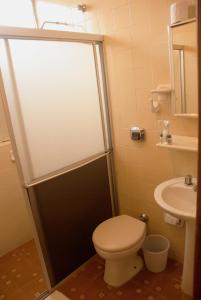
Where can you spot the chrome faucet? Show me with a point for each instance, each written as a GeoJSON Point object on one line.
{"type": "Point", "coordinates": [188, 179]}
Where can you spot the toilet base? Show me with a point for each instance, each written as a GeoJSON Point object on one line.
{"type": "Point", "coordinates": [119, 271]}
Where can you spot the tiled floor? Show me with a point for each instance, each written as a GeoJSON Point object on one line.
{"type": "Point", "coordinates": [21, 276]}
{"type": "Point", "coordinates": [88, 284]}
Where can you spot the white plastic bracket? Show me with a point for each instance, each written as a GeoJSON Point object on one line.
{"type": "Point", "coordinates": [162, 92]}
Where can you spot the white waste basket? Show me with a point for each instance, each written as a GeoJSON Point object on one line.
{"type": "Point", "coordinates": [155, 249]}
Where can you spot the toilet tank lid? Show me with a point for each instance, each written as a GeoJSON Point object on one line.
{"type": "Point", "coordinates": [118, 233]}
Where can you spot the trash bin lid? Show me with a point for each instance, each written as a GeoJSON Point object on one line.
{"type": "Point", "coordinates": [155, 243]}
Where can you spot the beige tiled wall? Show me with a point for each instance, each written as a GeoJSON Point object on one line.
{"type": "Point", "coordinates": [136, 44]}
{"type": "Point", "coordinates": [137, 55]}
{"type": "Point", "coordinates": [15, 226]}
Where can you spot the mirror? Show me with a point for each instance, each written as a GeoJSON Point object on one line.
{"type": "Point", "coordinates": [184, 77]}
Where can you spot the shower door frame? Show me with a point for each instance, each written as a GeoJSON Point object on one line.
{"type": "Point", "coordinates": [7, 33]}
{"type": "Point", "coordinates": [197, 261]}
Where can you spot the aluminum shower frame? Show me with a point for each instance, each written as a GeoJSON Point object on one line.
{"type": "Point", "coordinates": [96, 40]}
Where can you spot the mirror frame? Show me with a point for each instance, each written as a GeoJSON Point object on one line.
{"type": "Point", "coordinates": [170, 46]}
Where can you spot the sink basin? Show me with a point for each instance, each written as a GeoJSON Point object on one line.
{"type": "Point", "coordinates": [177, 198]}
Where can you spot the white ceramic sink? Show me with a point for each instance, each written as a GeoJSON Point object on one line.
{"type": "Point", "coordinates": [177, 198]}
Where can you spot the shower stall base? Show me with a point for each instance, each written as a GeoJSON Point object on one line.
{"type": "Point", "coordinates": [21, 275]}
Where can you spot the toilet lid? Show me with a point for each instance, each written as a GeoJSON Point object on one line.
{"type": "Point", "coordinates": [118, 233]}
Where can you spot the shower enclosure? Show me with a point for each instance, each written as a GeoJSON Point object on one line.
{"type": "Point", "coordinates": [54, 88]}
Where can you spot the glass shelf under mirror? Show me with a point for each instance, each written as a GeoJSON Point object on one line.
{"type": "Point", "coordinates": [184, 143]}
{"type": "Point", "coordinates": [193, 116]}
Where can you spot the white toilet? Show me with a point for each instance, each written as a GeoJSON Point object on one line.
{"type": "Point", "coordinates": [117, 240]}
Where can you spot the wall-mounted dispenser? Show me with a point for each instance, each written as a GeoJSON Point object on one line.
{"type": "Point", "coordinates": [181, 11]}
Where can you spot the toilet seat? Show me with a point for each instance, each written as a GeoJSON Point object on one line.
{"type": "Point", "coordinates": [118, 233]}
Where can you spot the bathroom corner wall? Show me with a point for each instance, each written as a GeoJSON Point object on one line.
{"type": "Point", "coordinates": [136, 44]}
{"type": "Point", "coordinates": [137, 56]}
{"type": "Point", "coordinates": [15, 228]}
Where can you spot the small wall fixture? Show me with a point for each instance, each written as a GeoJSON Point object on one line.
{"type": "Point", "coordinates": [82, 7]}
{"type": "Point", "coordinates": [137, 133]}
{"type": "Point", "coordinates": [144, 217]}
{"type": "Point", "coordinates": [162, 92]}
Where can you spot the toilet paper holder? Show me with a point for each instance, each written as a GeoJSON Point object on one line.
{"type": "Point", "coordinates": [137, 133]}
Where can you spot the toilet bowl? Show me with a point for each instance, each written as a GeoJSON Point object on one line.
{"type": "Point", "coordinates": [117, 240]}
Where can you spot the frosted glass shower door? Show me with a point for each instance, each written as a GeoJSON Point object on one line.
{"type": "Point", "coordinates": [55, 105]}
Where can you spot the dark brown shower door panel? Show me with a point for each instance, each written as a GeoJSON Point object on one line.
{"type": "Point", "coordinates": [68, 208]}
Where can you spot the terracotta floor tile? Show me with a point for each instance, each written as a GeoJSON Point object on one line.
{"type": "Point", "coordinates": [21, 276]}
{"type": "Point", "coordinates": [88, 284]}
